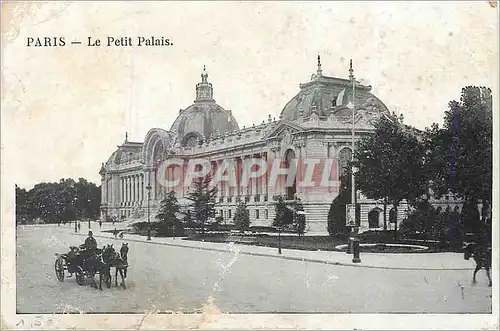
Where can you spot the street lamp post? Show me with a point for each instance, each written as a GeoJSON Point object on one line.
{"type": "Point", "coordinates": [279, 239]}
{"type": "Point", "coordinates": [76, 221]}
{"type": "Point", "coordinates": [353, 238]}
{"type": "Point", "coordinates": [88, 200]}
{"type": "Point", "coordinates": [149, 220]}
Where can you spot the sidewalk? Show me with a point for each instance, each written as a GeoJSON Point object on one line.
{"type": "Point", "coordinates": [399, 261]}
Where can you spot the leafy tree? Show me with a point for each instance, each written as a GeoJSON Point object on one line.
{"type": "Point", "coordinates": [460, 153]}
{"type": "Point", "coordinates": [283, 215]}
{"type": "Point", "coordinates": [88, 199]}
{"type": "Point", "coordinates": [432, 223]}
{"type": "Point", "coordinates": [391, 164]}
{"type": "Point", "coordinates": [420, 220]}
{"type": "Point", "coordinates": [337, 214]}
{"type": "Point", "coordinates": [188, 219]}
{"type": "Point", "coordinates": [22, 206]}
{"type": "Point", "coordinates": [242, 217]}
{"type": "Point", "coordinates": [202, 199]}
{"type": "Point", "coordinates": [299, 220]}
{"type": "Point", "coordinates": [62, 201]}
{"type": "Point", "coordinates": [168, 223]}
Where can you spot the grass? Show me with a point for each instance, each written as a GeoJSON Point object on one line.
{"type": "Point", "coordinates": [324, 243]}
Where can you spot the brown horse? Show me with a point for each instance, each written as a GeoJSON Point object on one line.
{"type": "Point", "coordinates": [117, 261]}
{"type": "Point", "coordinates": [96, 265]}
{"type": "Point", "coordinates": [482, 255]}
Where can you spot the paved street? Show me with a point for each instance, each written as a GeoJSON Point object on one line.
{"type": "Point", "coordinates": [168, 278]}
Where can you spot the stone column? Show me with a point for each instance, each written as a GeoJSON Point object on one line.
{"type": "Point", "coordinates": [103, 189]}
{"type": "Point", "coordinates": [128, 190]}
{"type": "Point", "coordinates": [125, 190]}
{"type": "Point", "coordinates": [265, 177]}
{"type": "Point", "coordinates": [138, 188]}
{"type": "Point", "coordinates": [133, 188]}
{"type": "Point", "coordinates": [141, 199]}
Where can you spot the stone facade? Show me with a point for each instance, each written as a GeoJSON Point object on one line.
{"type": "Point", "coordinates": [316, 123]}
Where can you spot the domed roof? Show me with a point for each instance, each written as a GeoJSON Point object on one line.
{"type": "Point", "coordinates": [325, 95]}
{"type": "Point", "coordinates": [127, 151]}
{"type": "Point", "coordinates": [204, 118]}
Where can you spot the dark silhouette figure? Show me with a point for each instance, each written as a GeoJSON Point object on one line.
{"type": "Point", "coordinates": [482, 255]}
{"type": "Point", "coordinates": [90, 242]}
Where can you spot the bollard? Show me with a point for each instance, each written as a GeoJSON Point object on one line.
{"type": "Point", "coordinates": [355, 249]}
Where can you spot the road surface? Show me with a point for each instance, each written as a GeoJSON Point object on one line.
{"type": "Point", "coordinates": [165, 279]}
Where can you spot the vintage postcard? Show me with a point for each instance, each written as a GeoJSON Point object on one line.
{"type": "Point", "coordinates": [249, 165]}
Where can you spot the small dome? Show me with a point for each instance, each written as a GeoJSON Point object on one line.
{"type": "Point", "coordinates": [204, 118]}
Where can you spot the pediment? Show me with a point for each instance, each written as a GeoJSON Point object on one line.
{"type": "Point", "coordinates": [283, 129]}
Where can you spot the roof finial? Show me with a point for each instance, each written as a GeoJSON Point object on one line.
{"type": "Point", "coordinates": [351, 71]}
{"type": "Point", "coordinates": [126, 136]}
{"type": "Point", "coordinates": [204, 75]}
{"type": "Point", "coordinates": [319, 67]}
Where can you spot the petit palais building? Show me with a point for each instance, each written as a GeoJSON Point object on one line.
{"type": "Point", "coordinates": [316, 123]}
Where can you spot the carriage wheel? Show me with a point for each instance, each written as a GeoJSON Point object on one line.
{"type": "Point", "coordinates": [59, 268]}
{"type": "Point", "coordinates": [80, 276]}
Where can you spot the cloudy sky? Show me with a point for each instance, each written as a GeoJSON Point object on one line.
{"type": "Point", "coordinates": [65, 109]}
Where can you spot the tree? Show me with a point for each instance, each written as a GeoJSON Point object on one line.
{"type": "Point", "coordinates": [202, 199]}
{"type": "Point", "coordinates": [188, 219]}
{"type": "Point", "coordinates": [22, 206]}
{"type": "Point", "coordinates": [283, 215]}
{"type": "Point", "coordinates": [391, 164]}
{"type": "Point", "coordinates": [169, 223]}
{"type": "Point", "coordinates": [460, 153]}
{"type": "Point", "coordinates": [299, 219]}
{"type": "Point", "coordinates": [337, 214]}
{"type": "Point", "coordinates": [242, 217]}
{"type": "Point", "coordinates": [420, 220]}
{"type": "Point", "coordinates": [62, 201]}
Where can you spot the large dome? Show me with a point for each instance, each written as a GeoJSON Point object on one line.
{"type": "Point", "coordinates": [204, 118]}
{"type": "Point", "coordinates": [325, 95]}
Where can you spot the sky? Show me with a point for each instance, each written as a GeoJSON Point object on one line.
{"type": "Point", "coordinates": [65, 109]}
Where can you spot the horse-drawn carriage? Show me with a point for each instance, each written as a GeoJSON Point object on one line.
{"type": "Point", "coordinates": [84, 262]}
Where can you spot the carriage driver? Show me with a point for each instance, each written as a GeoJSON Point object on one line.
{"type": "Point", "coordinates": [90, 242]}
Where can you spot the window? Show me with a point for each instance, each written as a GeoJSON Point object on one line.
{"type": "Point", "coordinates": [191, 141]}
{"type": "Point", "coordinates": [266, 213]}
{"type": "Point", "coordinates": [256, 214]}
{"type": "Point", "coordinates": [229, 213]}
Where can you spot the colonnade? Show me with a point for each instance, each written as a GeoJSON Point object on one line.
{"type": "Point", "coordinates": [132, 189]}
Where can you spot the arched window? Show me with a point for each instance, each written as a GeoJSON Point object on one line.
{"type": "Point", "coordinates": [191, 141]}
